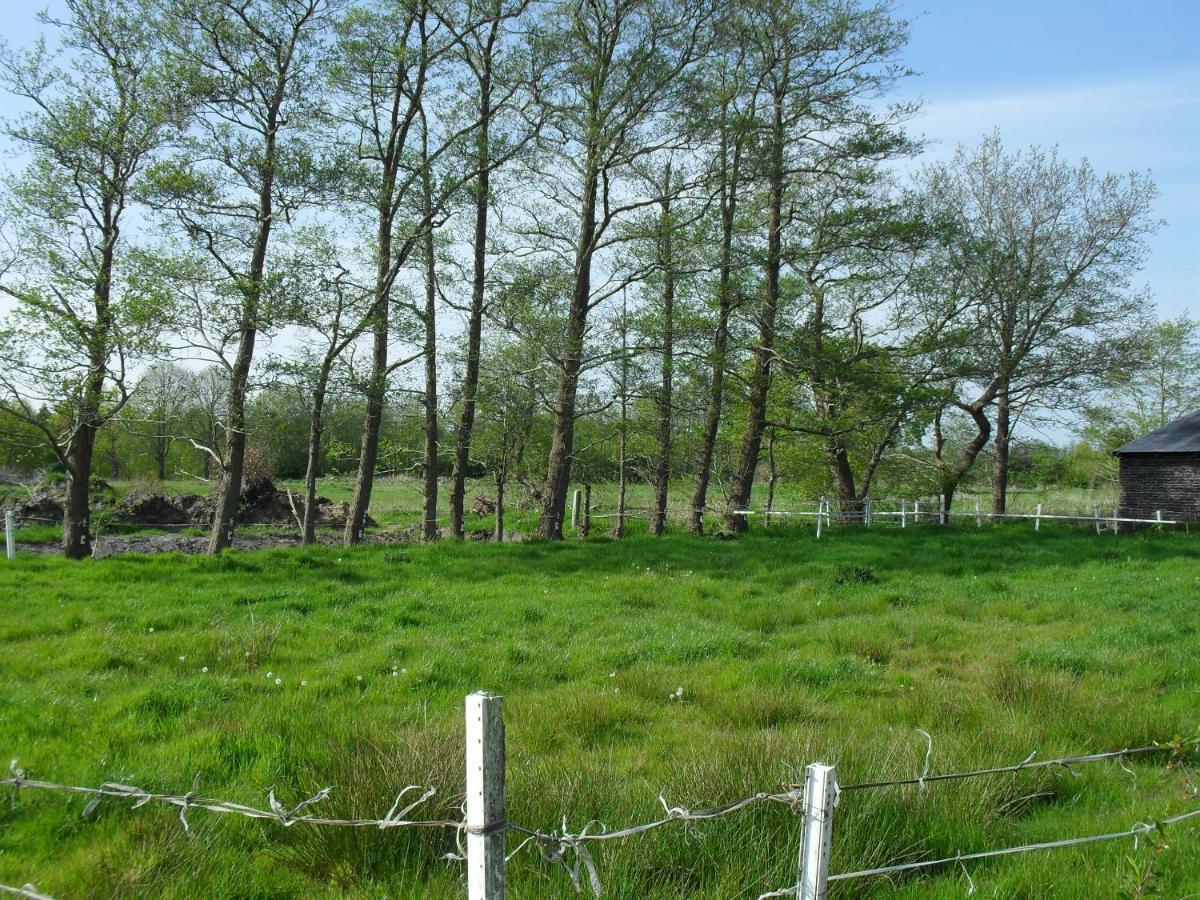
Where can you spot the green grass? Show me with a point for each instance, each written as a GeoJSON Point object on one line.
{"type": "Point", "coordinates": [788, 650]}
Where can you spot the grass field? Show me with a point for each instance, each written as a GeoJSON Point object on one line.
{"type": "Point", "coordinates": [788, 650]}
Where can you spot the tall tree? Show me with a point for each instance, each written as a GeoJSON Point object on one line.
{"type": "Point", "coordinates": [390, 58]}
{"type": "Point", "coordinates": [500, 65]}
{"type": "Point", "coordinates": [248, 165]}
{"type": "Point", "coordinates": [81, 312]}
{"type": "Point", "coordinates": [1045, 250]}
{"type": "Point", "coordinates": [816, 64]}
{"type": "Point", "coordinates": [615, 68]}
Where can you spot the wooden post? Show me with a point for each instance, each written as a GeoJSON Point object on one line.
{"type": "Point", "coordinates": [1157, 518]}
{"type": "Point", "coordinates": [978, 516]}
{"type": "Point", "coordinates": [576, 499]}
{"type": "Point", "coordinates": [1037, 520]}
{"type": "Point", "coordinates": [1096, 516]}
{"type": "Point", "coordinates": [10, 537]}
{"type": "Point", "coordinates": [820, 790]}
{"type": "Point", "coordinates": [867, 512]}
{"type": "Point", "coordinates": [485, 822]}
{"type": "Point", "coordinates": [903, 513]}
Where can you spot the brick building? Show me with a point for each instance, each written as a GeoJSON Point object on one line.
{"type": "Point", "coordinates": [1161, 471]}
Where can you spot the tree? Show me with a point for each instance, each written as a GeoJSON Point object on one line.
{"type": "Point", "coordinates": [82, 313]}
{"type": "Point", "coordinates": [505, 120]}
{"type": "Point", "coordinates": [248, 166]}
{"type": "Point", "coordinates": [1039, 253]}
{"type": "Point", "coordinates": [815, 65]}
{"type": "Point", "coordinates": [159, 402]}
{"type": "Point", "coordinates": [388, 58]}
{"type": "Point", "coordinates": [332, 310]}
{"type": "Point", "coordinates": [614, 68]}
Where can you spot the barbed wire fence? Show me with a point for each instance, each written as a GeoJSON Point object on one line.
{"type": "Point", "coordinates": [480, 833]}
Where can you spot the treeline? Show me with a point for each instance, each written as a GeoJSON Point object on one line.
{"type": "Point", "coordinates": [533, 240]}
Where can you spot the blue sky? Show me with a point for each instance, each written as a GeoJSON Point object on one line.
{"type": "Point", "coordinates": [1113, 80]}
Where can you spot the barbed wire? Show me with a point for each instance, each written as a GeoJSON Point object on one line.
{"type": "Point", "coordinates": [28, 890]}
{"type": "Point", "coordinates": [1064, 762]}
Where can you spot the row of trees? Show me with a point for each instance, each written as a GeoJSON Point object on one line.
{"type": "Point", "coordinates": [529, 222]}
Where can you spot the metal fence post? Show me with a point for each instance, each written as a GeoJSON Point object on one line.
{"type": "Point", "coordinates": [941, 509]}
{"type": "Point", "coordinates": [1096, 516]}
{"type": "Point", "coordinates": [903, 513]}
{"type": "Point", "coordinates": [1037, 520]}
{"type": "Point", "coordinates": [917, 510]}
{"type": "Point", "coordinates": [820, 510]}
{"type": "Point", "coordinates": [576, 500]}
{"type": "Point", "coordinates": [978, 516]}
{"type": "Point", "coordinates": [867, 512]}
{"type": "Point", "coordinates": [485, 822]}
{"type": "Point", "coordinates": [820, 791]}
{"type": "Point", "coordinates": [10, 537]}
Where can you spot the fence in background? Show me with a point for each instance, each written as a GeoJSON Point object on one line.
{"type": "Point", "coordinates": [482, 830]}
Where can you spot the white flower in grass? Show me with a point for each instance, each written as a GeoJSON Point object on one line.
{"type": "Point", "coordinates": [205, 669]}
{"type": "Point", "coordinates": [270, 674]}
{"type": "Point", "coordinates": [279, 681]}
{"type": "Point", "coordinates": [182, 658]}
{"type": "Point", "coordinates": [404, 671]}
{"type": "Point", "coordinates": [152, 629]}
{"type": "Point", "coordinates": [303, 684]}
{"type": "Point", "coordinates": [358, 678]}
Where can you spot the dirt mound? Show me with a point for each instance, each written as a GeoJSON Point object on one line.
{"type": "Point", "coordinates": [261, 503]}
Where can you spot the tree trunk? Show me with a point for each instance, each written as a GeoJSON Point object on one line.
{"type": "Point", "coordinates": [429, 529]}
{"type": "Point", "coordinates": [498, 531]}
{"type": "Point", "coordinates": [760, 383]}
{"type": "Point", "coordinates": [558, 473]}
{"type": "Point", "coordinates": [712, 413]}
{"type": "Point", "coordinates": [230, 489]}
{"type": "Point", "coordinates": [76, 534]}
{"type": "Point", "coordinates": [662, 467]}
{"type": "Point", "coordinates": [466, 423]}
{"type": "Point", "coordinates": [1003, 445]}
{"type": "Point", "coordinates": [308, 531]}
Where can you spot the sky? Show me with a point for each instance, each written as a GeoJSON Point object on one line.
{"type": "Point", "coordinates": [1113, 80]}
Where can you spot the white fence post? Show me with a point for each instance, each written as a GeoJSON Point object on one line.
{"type": "Point", "coordinates": [576, 500]}
{"type": "Point", "coordinates": [820, 791]}
{"type": "Point", "coordinates": [941, 509]}
{"type": "Point", "coordinates": [978, 516]}
{"type": "Point", "coordinates": [485, 822]}
{"type": "Point", "coordinates": [917, 510]}
{"type": "Point", "coordinates": [1116, 524]}
{"type": "Point", "coordinates": [903, 513]}
{"type": "Point", "coordinates": [1096, 516]}
{"type": "Point", "coordinates": [1157, 518]}
{"type": "Point", "coordinates": [867, 512]}
{"type": "Point", "coordinates": [820, 511]}
{"type": "Point", "coordinates": [1037, 521]}
{"type": "Point", "coordinates": [10, 537]}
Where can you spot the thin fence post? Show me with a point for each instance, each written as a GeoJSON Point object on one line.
{"type": "Point", "coordinates": [1116, 524]}
{"type": "Point", "coordinates": [1096, 516]}
{"type": "Point", "coordinates": [10, 537]}
{"type": "Point", "coordinates": [485, 821]}
{"type": "Point", "coordinates": [1157, 518]}
{"type": "Point", "coordinates": [820, 509]}
{"type": "Point", "coordinates": [941, 509]}
{"type": "Point", "coordinates": [867, 512]}
{"type": "Point", "coordinates": [978, 516]}
{"type": "Point", "coordinates": [917, 510]}
{"type": "Point", "coordinates": [1037, 520]}
{"type": "Point", "coordinates": [576, 499]}
{"type": "Point", "coordinates": [820, 791]}
{"type": "Point", "coordinates": [903, 513]}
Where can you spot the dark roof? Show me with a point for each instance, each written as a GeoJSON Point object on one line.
{"type": "Point", "coordinates": [1180, 436]}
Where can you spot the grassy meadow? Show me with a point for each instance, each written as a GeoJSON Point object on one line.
{"type": "Point", "coordinates": [301, 669]}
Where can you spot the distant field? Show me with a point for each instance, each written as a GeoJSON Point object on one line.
{"type": "Point", "coordinates": [787, 650]}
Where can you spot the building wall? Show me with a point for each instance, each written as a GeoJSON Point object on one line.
{"type": "Point", "coordinates": [1166, 481]}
